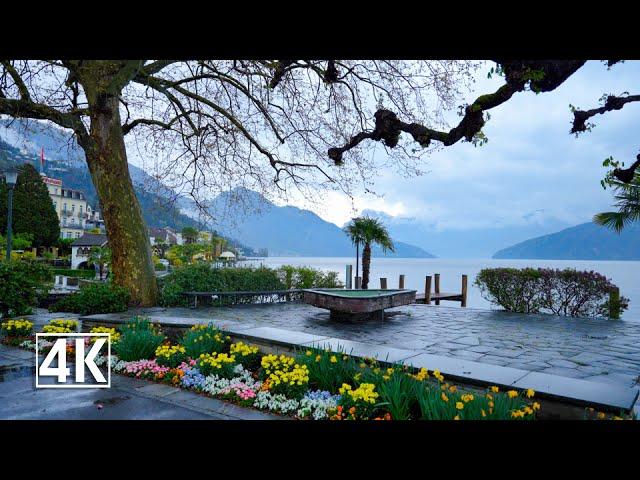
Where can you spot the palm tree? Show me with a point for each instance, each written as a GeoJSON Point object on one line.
{"type": "Point", "coordinates": [100, 256]}
{"type": "Point", "coordinates": [627, 196]}
{"type": "Point", "coordinates": [368, 230]}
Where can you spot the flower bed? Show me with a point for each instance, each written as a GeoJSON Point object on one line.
{"type": "Point", "coordinates": [310, 384]}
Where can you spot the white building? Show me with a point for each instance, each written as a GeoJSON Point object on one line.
{"type": "Point", "coordinates": [74, 213]}
{"type": "Point", "coordinates": [81, 248]}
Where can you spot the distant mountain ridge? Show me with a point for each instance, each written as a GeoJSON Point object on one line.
{"type": "Point", "coordinates": [466, 243]}
{"type": "Point", "coordinates": [288, 230]}
{"type": "Point", "coordinates": [586, 241]}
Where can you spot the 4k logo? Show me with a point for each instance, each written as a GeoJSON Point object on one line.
{"type": "Point", "coordinates": [55, 362]}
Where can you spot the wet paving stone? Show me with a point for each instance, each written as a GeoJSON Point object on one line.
{"type": "Point", "coordinates": [503, 338]}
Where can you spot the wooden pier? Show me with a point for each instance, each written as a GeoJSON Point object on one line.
{"type": "Point", "coordinates": [437, 296]}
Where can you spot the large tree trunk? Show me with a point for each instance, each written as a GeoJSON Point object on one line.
{"type": "Point", "coordinates": [366, 263]}
{"type": "Point", "coordinates": [131, 262]}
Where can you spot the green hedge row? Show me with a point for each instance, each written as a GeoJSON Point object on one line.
{"type": "Point", "coordinates": [202, 277]}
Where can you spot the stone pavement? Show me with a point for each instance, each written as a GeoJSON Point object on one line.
{"type": "Point", "coordinates": [597, 350]}
{"type": "Point", "coordinates": [127, 399]}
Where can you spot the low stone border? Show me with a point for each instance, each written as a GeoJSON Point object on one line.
{"type": "Point", "coordinates": [561, 390]}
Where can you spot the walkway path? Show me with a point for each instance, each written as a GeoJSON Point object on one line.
{"type": "Point", "coordinates": [127, 399]}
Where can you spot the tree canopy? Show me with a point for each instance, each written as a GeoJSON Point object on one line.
{"type": "Point", "coordinates": [33, 211]}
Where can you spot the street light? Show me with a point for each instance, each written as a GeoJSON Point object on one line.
{"type": "Point", "coordinates": [11, 177]}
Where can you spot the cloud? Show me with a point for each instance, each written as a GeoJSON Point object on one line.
{"type": "Point", "coordinates": [530, 164]}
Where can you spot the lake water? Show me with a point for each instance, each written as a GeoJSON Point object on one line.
{"type": "Point", "coordinates": [625, 275]}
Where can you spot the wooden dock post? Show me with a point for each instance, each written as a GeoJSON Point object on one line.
{"type": "Point", "coordinates": [348, 277]}
{"type": "Point", "coordinates": [427, 290]}
{"type": "Point", "coordinates": [437, 286]}
{"type": "Point", "coordinates": [614, 303]}
{"type": "Point", "coordinates": [401, 282]}
{"type": "Point", "coordinates": [463, 302]}
{"type": "Point", "coordinates": [383, 283]}
{"type": "Point", "coordinates": [358, 283]}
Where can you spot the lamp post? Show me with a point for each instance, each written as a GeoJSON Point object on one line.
{"type": "Point", "coordinates": [11, 177]}
{"type": "Point", "coordinates": [357, 260]}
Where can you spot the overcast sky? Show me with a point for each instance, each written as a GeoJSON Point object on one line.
{"type": "Point", "coordinates": [531, 166]}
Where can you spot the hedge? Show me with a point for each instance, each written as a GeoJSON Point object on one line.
{"type": "Point", "coordinates": [565, 292]}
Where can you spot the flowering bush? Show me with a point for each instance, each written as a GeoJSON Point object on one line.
{"type": "Point", "coordinates": [562, 292]}
{"type": "Point", "coordinates": [61, 325]}
{"type": "Point", "coordinates": [316, 404]}
{"type": "Point", "coordinates": [173, 376]}
{"type": "Point", "coordinates": [242, 388]}
{"type": "Point", "coordinates": [203, 339]}
{"type": "Point", "coordinates": [283, 375]}
{"type": "Point", "coordinates": [170, 355]}
{"type": "Point", "coordinates": [277, 403]}
{"type": "Point", "coordinates": [220, 364]}
{"type": "Point", "coordinates": [193, 379]}
{"type": "Point", "coordinates": [113, 334]}
{"type": "Point", "coordinates": [281, 384]}
{"type": "Point", "coordinates": [145, 369]}
{"type": "Point", "coordinates": [359, 403]}
{"type": "Point", "coordinates": [239, 392]}
{"type": "Point", "coordinates": [247, 355]}
{"type": "Point", "coordinates": [17, 328]}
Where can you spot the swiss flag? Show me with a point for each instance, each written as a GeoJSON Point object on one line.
{"type": "Point", "coordinates": [42, 158]}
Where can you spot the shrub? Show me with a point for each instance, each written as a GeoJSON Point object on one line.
{"type": "Point", "coordinates": [16, 328]}
{"type": "Point", "coordinates": [307, 277]}
{"type": "Point", "coordinates": [160, 267]}
{"type": "Point", "coordinates": [22, 283]}
{"type": "Point", "coordinates": [139, 340]}
{"type": "Point", "coordinates": [94, 298]}
{"type": "Point", "coordinates": [79, 273]}
{"type": "Point", "coordinates": [205, 278]}
{"type": "Point", "coordinates": [202, 339]}
{"type": "Point", "coordinates": [562, 292]}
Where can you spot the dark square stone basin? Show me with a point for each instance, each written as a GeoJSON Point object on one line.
{"type": "Point", "coordinates": [356, 304]}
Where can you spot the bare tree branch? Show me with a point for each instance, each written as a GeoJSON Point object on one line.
{"type": "Point", "coordinates": [541, 76]}
{"type": "Point", "coordinates": [611, 103]}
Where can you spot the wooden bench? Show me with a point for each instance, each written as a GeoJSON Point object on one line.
{"type": "Point", "coordinates": [261, 296]}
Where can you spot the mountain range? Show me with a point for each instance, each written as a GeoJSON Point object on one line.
{"type": "Point", "coordinates": [587, 241]}
{"type": "Point", "coordinates": [252, 222]}
{"type": "Point", "coordinates": [288, 230]}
